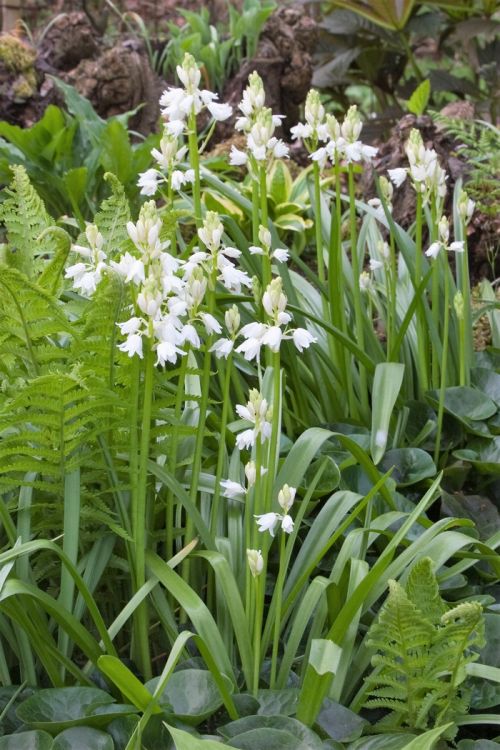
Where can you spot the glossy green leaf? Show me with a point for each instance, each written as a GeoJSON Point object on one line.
{"type": "Point", "coordinates": [278, 702]}
{"type": "Point", "coordinates": [338, 722]}
{"type": "Point", "coordinates": [465, 404]}
{"type": "Point", "coordinates": [191, 695]}
{"type": "Point", "coordinates": [271, 739]}
{"type": "Point", "coordinates": [56, 709]}
{"type": "Point", "coordinates": [308, 738]}
{"type": "Point", "coordinates": [386, 386]}
{"type": "Point", "coordinates": [382, 742]}
{"type": "Point", "coordinates": [411, 465]}
{"type": "Point", "coordinates": [83, 738]}
{"type": "Point", "coordinates": [36, 740]}
{"type": "Point", "coordinates": [483, 454]}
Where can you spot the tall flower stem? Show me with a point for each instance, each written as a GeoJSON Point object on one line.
{"type": "Point", "coordinates": [336, 290]}
{"type": "Point", "coordinates": [264, 217]}
{"type": "Point", "coordinates": [172, 461]}
{"type": "Point", "coordinates": [421, 330]}
{"type": "Point", "coordinates": [444, 361]}
{"type": "Point", "coordinates": [392, 301]}
{"type": "Point", "coordinates": [194, 160]}
{"type": "Point", "coordinates": [257, 629]}
{"type": "Point", "coordinates": [200, 432]}
{"type": "Point", "coordinates": [277, 619]}
{"type": "Point", "coordinates": [436, 307]}
{"type": "Point", "coordinates": [466, 322]}
{"type": "Point", "coordinates": [255, 211]}
{"type": "Point", "coordinates": [275, 430]}
{"type": "Point", "coordinates": [222, 445]}
{"type": "Point", "coordinates": [139, 517]}
{"type": "Point", "coordinates": [358, 310]}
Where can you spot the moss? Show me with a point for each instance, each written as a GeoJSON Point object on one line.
{"type": "Point", "coordinates": [15, 54]}
{"type": "Point", "coordinates": [19, 59]}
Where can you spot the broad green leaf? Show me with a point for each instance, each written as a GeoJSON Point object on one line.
{"type": "Point", "coordinates": [411, 465]}
{"type": "Point", "coordinates": [191, 695]}
{"type": "Point", "coordinates": [56, 709]}
{"type": "Point", "coordinates": [338, 722]}
{"type": "Point", "coordinates": [308, 738]}
{"type": "Point", "coordinates": [324, 656]}
{"type": "Point", "coordinates": [83, 738]}
{"type": "Point", "coordinates": [271, 739]}
{"type": "Point", "coordinates": [418, 101]}
{"type": "Point", "coordinates": [386, 386]}
{"type": "Point", "coordinates": [35, 740]}
{"type": "Point", "coordinates": [465, 404]}
{"type": "Point", "coordinates": [483, 454]}
{"type": "Point", "coordinates": [277, 702]}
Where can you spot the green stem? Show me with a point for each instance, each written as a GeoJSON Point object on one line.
{"type": "Point", "coordinates": [275, 430]}
{"type": "Point", "coordinates": [172, 462]}
{"type": "Point", "coordinates": [222, 444]}
{"type": "Point", "coordinates": [194, 160]}
{"type": "Point", "coordinates": [392, 303]}
{"type": "Point", "coordinates": [140, 521]}
{"type": "Point", "coordinates": [466, 335]}
{"type": "Point", "coordinates": [277, 618]}
{"type": "Point", "coordinates": [444, 362]}
{"type": "Point", "coordinates": [257, 633]}
{"type": "Point", "coordinates": [436, 311]}
{"type": "Point", "coordinates": [421, 330]}
{"type": "Point", "coordinates": [358, 309]}
{"type": "Point", "coordinates": [264, 217]}
{"type": "Point", "coordinates": [255, 211]}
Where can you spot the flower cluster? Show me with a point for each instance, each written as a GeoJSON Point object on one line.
{"type": "Point", "coordinates": [86, 275]}
{"type": "Point", "coordinates": [425, 172]}
{"type": "Point", "coordinates": [272, 333]}
{"type": "Point", "coordinates": [342, 140]}
{"type": "Point", "coordinates": [259, 124]}
{"type": "Point", "coordinates": [268, 521]}
{"type": "Point", "coordinates": [258, 413]}
{"type": "Point", "coordinates": [443, 242]}
{"type": "Point", "coordinates": [178, 104]}
{"type": "Point", "coordinates": [234, 490]}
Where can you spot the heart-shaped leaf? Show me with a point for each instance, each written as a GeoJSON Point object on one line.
{"type": "Point", "coordinates": [338, 722]}
{"type": "Point", "coordinates": [411, 465]}
{"type": "Point", "coordinates": [191, 694]}
{"type": "Point", "coordinates": [56, 709]}
{"type": "Point", "coordinates": [83, 738]}
{"type": "Point", "coordinates": [36, 740]}
{"type": "Point", "coordinates": [308, 738]}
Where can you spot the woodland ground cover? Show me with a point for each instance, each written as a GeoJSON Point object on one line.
{"type": "Point", "coordinates": [244, 437]}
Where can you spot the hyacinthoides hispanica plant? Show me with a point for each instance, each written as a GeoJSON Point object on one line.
{"type": "Point", "coordinates": [224, 301]}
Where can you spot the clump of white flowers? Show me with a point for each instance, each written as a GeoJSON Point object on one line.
{"type": "Point", "coordinates": [259, 123]}
{"type": "Point", "coordinates": [87, 274]}
{"type": "Point", "coordinates": [425, 172]}
{"type": "Point", "coordinates": [273, 332]}
{"type": "Point", "coordinates": [342, 140]}
{"type": "Point", "coordinates": [269, 521]}
{"type": "Point", "coordinates": [258, 413]}
{"type": "Point", "coordinates": [442, 243]}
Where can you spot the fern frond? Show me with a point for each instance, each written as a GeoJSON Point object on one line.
{"type": "Point", "coordinates": [423, 590]}
{"type": "Point", "coordinates": [25, 219]}
{"type": "Point", "coordinates": [112, 217]}
{"type": "Point", "coordinates": [29, 318]}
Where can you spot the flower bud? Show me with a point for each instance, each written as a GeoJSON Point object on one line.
{"type": "Point", "coordinates": [387, 190]}
{"type": "Point", "coordinates": [314, 110]}
{"type": "Point", "coordinates": [255, 562]}
{"type": "Point", "coordinates": [232, 320]}
{"type": "Point", "coordinates": [189, 73]}
{"type": "Point", "coordinates": [352, 125]}
{"type": "Point", "coordinates": [465, 207]}
{"type": "Point", "coordinates": [286, 496]}
{"type": "Point", "coordinates": [458, 304]}
{"type": "Point", "coordinates": [211, 232]}
{"type": "Point", "coordinates": [265, 237]}
{"type": "Point", "coordinates": [444, 230]}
